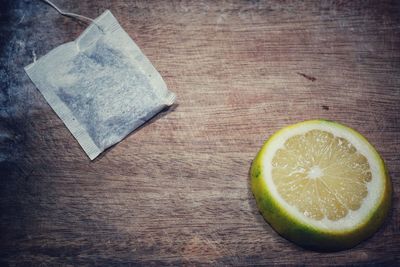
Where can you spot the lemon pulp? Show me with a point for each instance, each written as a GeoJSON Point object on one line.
{"type": "Point", "coordinates": [323, 176]}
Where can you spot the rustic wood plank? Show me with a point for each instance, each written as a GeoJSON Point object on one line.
{"type": "Point", "coordinates": [177, 190]}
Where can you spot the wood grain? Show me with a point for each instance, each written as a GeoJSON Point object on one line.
{"type": "Point", "coordinates": [176, 191]}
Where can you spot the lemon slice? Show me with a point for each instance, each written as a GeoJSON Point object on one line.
{"type": "Point", "coordinates": [321, 185]}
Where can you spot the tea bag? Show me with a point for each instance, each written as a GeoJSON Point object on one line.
{"type": "Point", "coordinates": [101, 85]}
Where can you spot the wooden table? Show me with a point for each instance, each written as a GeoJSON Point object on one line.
{"type": "Point", "coordinates": [176, 191]}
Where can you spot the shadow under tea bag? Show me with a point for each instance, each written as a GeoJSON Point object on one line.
{"type": "Point", "coordinates": [101, 85]}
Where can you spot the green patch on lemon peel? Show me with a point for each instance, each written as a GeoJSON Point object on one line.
{"type": "Point", "coordinates": [321, 185]}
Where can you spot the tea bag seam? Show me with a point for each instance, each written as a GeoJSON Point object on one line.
{"type": "Point", "coordinates": [69, 120]}
{"type": "Point", "coordinates": [108, 30]}
{"type": "Point", "coordinates": [90, 29]}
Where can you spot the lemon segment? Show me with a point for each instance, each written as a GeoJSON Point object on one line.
{"type": "Point", "coordinates": [321, 185]}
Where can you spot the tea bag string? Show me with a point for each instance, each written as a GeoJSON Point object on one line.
{"type": "Point", "coordinates": [74, 15]}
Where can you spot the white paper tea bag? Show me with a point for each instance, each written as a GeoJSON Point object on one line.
{"type": "Point", "coordinates": [101, 85]}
